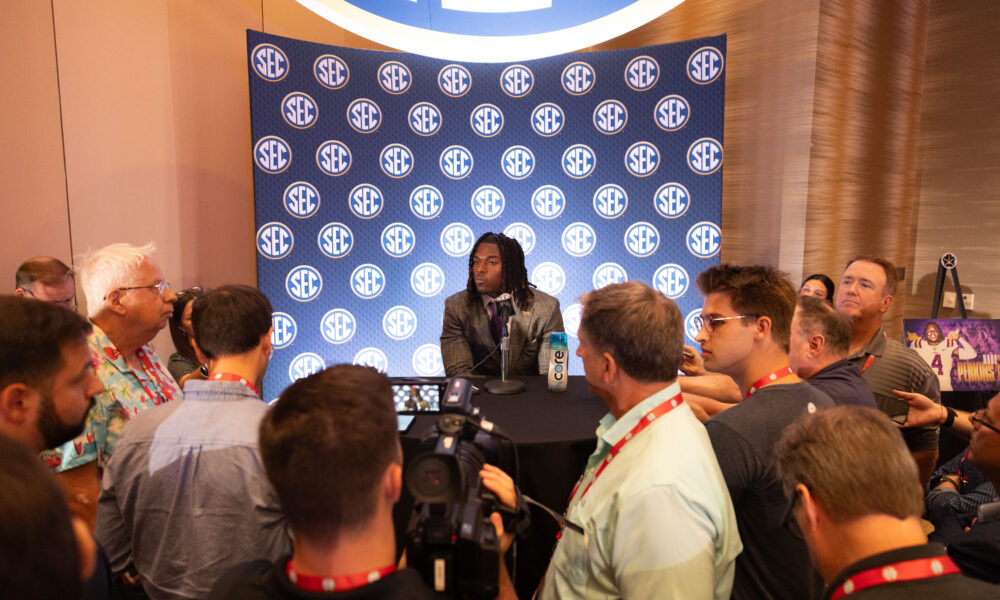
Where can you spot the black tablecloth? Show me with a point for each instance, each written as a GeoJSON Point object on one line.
{"type": "Point", "coordinates": [554, 434]}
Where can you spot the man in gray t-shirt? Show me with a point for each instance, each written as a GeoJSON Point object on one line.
{"type": "Point", "coordinates": [744, 333]}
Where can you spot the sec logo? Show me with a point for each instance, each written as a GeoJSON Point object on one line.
{"type": "Point", "coordinates": [704, 239]}
{"type": "Point", "coordinates": [269, 62]}
{"type": "Point", "coordinates": [426, 202]}
{"type": "Point", "coordinates": [338, 326]}
{"type": "Point", "coordinates": [671, 280]}
{"type": "Point", "coordinates": [272, 154]}
{"type": "Point", "coordinates": [427, 280]}
{"type": "Point", "coordinates": [524, 235]}
{"type": "Point", "coordinates": [372, 357]}
{"type": "Point", "coordinates": [578, 161]}
{"type": "Point", "coordinates": [571, 318]}
{"type": "Point", "coordinates": [366, 201]}
{"type": "Point", "coordinates": [363, 115]}
{"type": "Point", "coordinates": [705, 65]}
{"type": "Point", "coordinates": [396, 161]}
{"type": "Point", "coordinates": [398, 239]}
{"type": "Point", "coordinates": [335, 240]}
{"type": "Point", "coordinates": [690, 329]}
{"type": "Point", "coordinates": [547, 119]}
{"type": "Point", "coordinates": [456, 239]}
{"type": "Point", "coordinates": [454, 80]}
{"type": "Point", "coordinates": [548, 202]}
{"type": "Point", "coordinates": [424, 119]}
{"type": "Point", "coordinates": [367, 281]}
{"type": "Point", "coordinates": [549, 277]}
{"type": "Point", "coordinates": [303, 283]}
{"type": "Point", "coordinates": [301, 199]}
{"type": "Point", "coordinates": [487, 202]}
{"type": "Point", "coordinates": [578, 78]}
{"type": "Point", "coordinates": [456, 162]}
{"type": "Point", "coordinates": [486, 120]}
{"type": "Point", "coordinates": [427, 360]}
{"type": "Point", "coordinates": [283, 330]}
{"type": "Point", "coordinates": [274, 240]}
{"type": "Point", "coordinates": [579, 239]}
{"type": "Point", "coordinates": [642, 73]}
{"type": "Point", "coordinates": [394, 77]}
{"type": "Point", "coordinates": [517, 81]}
{"type": "Point", "coordinates": [671, 113]}
{"type": "Point", "coordinates": [610, 201]}
{"type": "Point", "coordinates": [333, 158]}
{"type": "Point", "coordinates": [607, 274]}
{"type": "Point", "coordinates": [672, 200]}
{"type": "Point", "coordinates": [331, 72]}
{"type": "Point", "coordinates": [517, 162]}
{"type": "Point", "coordinates": [642, 239]}
{"type": "Point", "coordinates": [705, 156]}
{"type": "Point", "coordinates": [399, 322]}
{"type": "Point", "coordinates": [610, 117]}
{"type": "Point", "coordinates": [642, 159]}
{"type": "Point", "coordinates": [304, 365]}
{"type": "Point", "coordinates": [299, 110]}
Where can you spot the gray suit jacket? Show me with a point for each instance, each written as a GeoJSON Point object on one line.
{"type": "Point", "coordinates": [466, 339]}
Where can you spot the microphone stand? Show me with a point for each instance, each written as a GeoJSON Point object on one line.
{"type": "Point", "coordinates": [504, 385]}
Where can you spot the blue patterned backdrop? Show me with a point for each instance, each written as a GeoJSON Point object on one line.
{"type": "Point", "coordinates": [374, 172]}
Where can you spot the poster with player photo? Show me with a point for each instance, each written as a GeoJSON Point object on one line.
{"type": "Point", "coordinates": [962, 352]}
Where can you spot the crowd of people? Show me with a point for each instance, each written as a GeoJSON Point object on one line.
{"type": "Point", "coordinates": [794, 458]}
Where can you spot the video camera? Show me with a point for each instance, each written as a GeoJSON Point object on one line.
{"type": "Point", "coordinates": [451, 540]}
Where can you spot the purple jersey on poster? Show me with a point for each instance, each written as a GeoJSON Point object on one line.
{"type": "Point", "coordinates": [961, 352]}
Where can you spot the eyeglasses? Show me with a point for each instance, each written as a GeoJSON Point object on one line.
{"type": "Point", "coordinates": [977, 417]}
{"type": "Point", "coordinates": [161, 287]}
{"type": "Point", "coordinates": [69, 303]}
{"type": "Point", "coordinates": [195, 290]}
{"type": "Point", "coordinates": [710, 323]}
{"type": "Point", "coordinates": [788, 519]}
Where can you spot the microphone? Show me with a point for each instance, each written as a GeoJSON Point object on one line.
{"type": "Point", "coordinates": [504, 304]}
{"type": "Point", "coordinates": [505, 308]}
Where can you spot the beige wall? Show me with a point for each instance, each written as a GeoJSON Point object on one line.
{"type": "Point", "coordinates": [129, 121]}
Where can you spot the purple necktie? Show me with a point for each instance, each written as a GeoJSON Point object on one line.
{"type": "Point", "coordinates": [496, 325]}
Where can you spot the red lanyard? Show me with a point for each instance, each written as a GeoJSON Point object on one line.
{"type": "Point", "coordinates": [335, 583]}
{"type": "Point", "coordinates": [907, 570]}
{"type": "Point", "coordinates": [769, 378]}
{"type": "Point", "coordinates": [150, 368]}
{"type": "Point", "coordinates": [660, 410]}
{"type": "Point", "coordinates": [234, 377]}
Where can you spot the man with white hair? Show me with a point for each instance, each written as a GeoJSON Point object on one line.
{"type": "Point", "coordinates": [128, 302]}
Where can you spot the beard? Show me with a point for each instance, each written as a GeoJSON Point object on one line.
{"type": "Point", "coordinates": [55, 431]}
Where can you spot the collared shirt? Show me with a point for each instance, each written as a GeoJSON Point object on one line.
{"type": "Point", "coordinates": [893, 366]}
{"type": "Point", "coordinates": [658, 521]}
{"type": "Point", "coordinates": [127, 391]}
{"type": "Point", "coordinates": [843, 383]}
{"type": "Point", "coordinates": [185, 496]}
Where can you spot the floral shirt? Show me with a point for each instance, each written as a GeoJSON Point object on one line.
{"type": "Point", "coordinates": [126, 392]}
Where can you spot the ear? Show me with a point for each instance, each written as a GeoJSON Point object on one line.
{"type": "Point", "coordinates": [886, 302]}
{"type": "Point", "coordinates": [611, 369]}
{"type": "Point", "coordinates": [197, 351]}
{"type": "Point", "coordinates": [16, 403]}
{"type": "Point", "coordinates": [265, 343]}
{"type": "Point", "coordinates": [816, 344]}
{"type": "Point", "coordinates": [812, 510]}
{"type": "Point", "coordinates": [392, 483]}
{"type": "Point", "coordinates": [19, 292]}
{"type": "Point", "coordinates": [762, 327]}
{"type": "Point", "coordinates": [113, 302]}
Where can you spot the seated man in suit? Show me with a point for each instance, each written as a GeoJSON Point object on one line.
{"type": "Point", "coordinates": [471, 327]}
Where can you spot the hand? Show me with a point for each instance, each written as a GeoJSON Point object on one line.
{"type": "Point", "coordinates": [952, 335]}
{"type": "Point", "coordinates": [911, 336]}
{"type": "Point", "coordinates": [923, 410]}
{"type": "Point", "coordinates": [500, 483]}
{"type": "Point", "coordinates": [692, 363]}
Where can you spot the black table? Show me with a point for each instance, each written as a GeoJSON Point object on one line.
{"type": "Point", "coordinates": [554, 435]}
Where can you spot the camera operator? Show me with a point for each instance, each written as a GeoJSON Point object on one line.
{"type": "Point", "coordinates": [330, 447]}
{"type": "Point", "coordinates": [651, 516]}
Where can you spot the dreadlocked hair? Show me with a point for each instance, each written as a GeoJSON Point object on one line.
{"type": "Point", "coordinates": [514, 275]}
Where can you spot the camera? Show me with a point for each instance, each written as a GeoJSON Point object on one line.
{"type": "Point", "coordinates": [451, 540]}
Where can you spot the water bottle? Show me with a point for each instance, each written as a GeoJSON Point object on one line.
{"type": "Point", "coordinates": [558, 361]}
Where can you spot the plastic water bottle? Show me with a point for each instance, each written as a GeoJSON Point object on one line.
{"type": "Point", "coordinates": [558, 361]}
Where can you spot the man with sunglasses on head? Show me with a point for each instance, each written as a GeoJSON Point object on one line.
{"type": "Point", "coordinates": [128, 302]}
{"type": "Point", "coordinates": [855, 499]}
{"type": "Point", "coordinates": [744, 331]}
